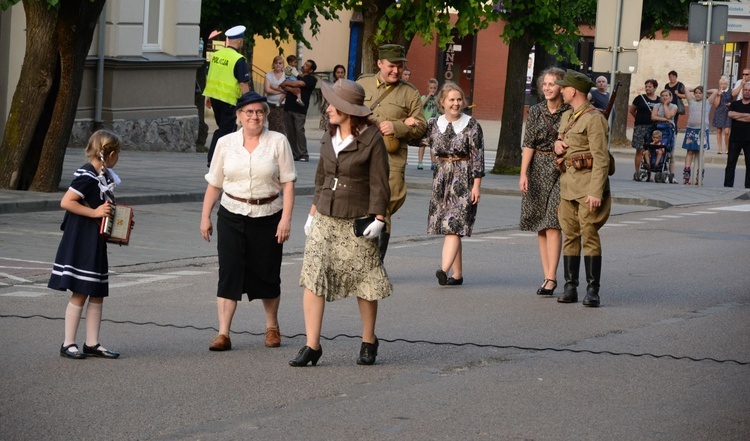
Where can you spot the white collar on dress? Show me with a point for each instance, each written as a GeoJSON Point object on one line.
{"type": "Point", "coordinates": [458, 125]}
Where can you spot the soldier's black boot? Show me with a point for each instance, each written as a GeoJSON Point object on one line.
{"type": "Point", "coordinates": [571, 265]}
{"type": "Point", "coordinates": [593, 266]}
{"type": "Point", "coordinates": [383, 243]}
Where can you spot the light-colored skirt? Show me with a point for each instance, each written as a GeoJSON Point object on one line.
{"type": "Point", "coordinates": [338, 264]}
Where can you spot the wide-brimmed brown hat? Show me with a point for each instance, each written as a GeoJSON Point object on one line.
{"type": "Point", "coordinates": [346, 96]}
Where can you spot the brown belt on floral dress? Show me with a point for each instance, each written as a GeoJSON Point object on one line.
{"type": "Point", "coordinates": [453, 158]}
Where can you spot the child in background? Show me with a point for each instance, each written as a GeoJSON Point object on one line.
{"type": "Point", "coordinates": [656, 137]}
{"type": "Point", "coordinates": [81, 261]}
{"type": "Point", "coordinates": [430, 110]}
{"type": "Point", "coordinates": [291, 73]}
{"type": "Point", "coordinates": [693, 130]}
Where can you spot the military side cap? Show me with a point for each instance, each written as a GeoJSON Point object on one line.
{"type": "Point", "coordinates": [576, 80]}
{"type": "Point", "coordinates": [235, 32]}
{"type": "Point", "coordinates": [392, 53]}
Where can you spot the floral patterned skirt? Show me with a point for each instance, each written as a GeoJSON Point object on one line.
{"type": "Point", "coordinates": [693, 139]}
{"type": "Point", "coordinates": [338, 264]}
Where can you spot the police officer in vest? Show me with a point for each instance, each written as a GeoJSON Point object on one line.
{"type": "Point", "coordinates": [585, 199]}
{"type": "Point", "coordinates": [393, 101]}
{"type": "Point", "coordinates": [228, 78]}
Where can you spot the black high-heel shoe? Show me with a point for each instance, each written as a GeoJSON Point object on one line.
{"type": "Point", "coordinates": [306, 355]}
{"type": "Point", "coordinates": [542, 291]}
{"type": "Point", "coordinates": [368, 352]}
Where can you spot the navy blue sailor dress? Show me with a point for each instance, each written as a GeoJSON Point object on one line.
{"type": "Point", "coordinates": [81, 262]}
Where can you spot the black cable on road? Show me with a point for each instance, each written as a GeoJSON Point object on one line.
{"type": "Point", "coordinates": [404, 340]}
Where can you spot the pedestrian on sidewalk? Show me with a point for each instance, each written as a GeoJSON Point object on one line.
{"type": "Point", "coordinates": [540, 177]}
{"type": "Point", "coordinates": [339, 72]}
{"type": "Point", "coordinates": [274, 94]}
{"type": "Point", "coordinates": [430, 110]}
{"type": "Point", "coordinates": [691, 143]}
{"type": "Point", "coordinates": [345, 220]}
{"type": "Point", "coordinates": [722, 123]}
{"type": "Point", "coordinates": [641, 109]}
{"type": "Point", "coordinates": [254, 167]}
{"type": "Point", "coordinates": [228, 78]}
{"type": "Point", "coordinates": [81, 264]}
{"type": "Point", "coordinates": [392, 101]}
{"type": "Point", "coordinates": [294, 113]}
{"type": "Point", "coordinates": [739, 139]}
{"type": "Point", "coordinates": [458, 144]}
{"type": "Point", "coordinates": [585, 199]}
{"type": "Point", "coordinates": [664, 116]}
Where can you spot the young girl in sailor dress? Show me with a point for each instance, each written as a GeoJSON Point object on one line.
{"type": "Point", "coordinates": [81, 260]}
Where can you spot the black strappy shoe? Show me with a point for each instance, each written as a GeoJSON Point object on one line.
{"type": "Point", "coordinates": [542, 291]}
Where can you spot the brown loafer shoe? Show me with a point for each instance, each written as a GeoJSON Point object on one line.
{"type": "Point", "coordinates": [221, 343]}
{"type": "Point", "coordinates": [273, 337]}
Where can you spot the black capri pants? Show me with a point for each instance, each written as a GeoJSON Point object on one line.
{"type": "Point", "coordinates": [249, 256]}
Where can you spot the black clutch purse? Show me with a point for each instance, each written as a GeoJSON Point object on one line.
{"type": "Point", "coordinates": [361, 223]}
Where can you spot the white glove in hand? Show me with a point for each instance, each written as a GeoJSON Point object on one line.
{"type": "Point", "coordinates": [373, 230]}
{"type": "Point", "coordinates": [308, 224]}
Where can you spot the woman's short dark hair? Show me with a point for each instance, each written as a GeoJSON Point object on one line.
{"type": "Point", "coordinates": [653, 82]}
{"type": "Point", "coordinates": [672, 72]}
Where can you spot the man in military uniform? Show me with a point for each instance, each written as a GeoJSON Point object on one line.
{"type": "Point", "coordinates": [393, 101]}
{"type": "Point", "coordinates": [228, 78]}
{"type": "Point", "coordinates": [585, 200]}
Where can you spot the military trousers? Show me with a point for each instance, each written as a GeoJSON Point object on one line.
{"type": "Point", "coordinates": [581, 226]}
{"type": "Point", "coordinates": [397, 183]}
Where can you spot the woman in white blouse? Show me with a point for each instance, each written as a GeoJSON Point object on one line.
{"type": "Point", "coordinates": [254, 167]}
{"type": "Point", "coordinates": [275, 95]}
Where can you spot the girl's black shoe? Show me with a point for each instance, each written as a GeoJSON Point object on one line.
{"type": "Point", "coordinates": [67, 353]}
{"type": "Point", "coordinates": [306, 355]}
{"type": "Point", "coordinates": [452, 282]}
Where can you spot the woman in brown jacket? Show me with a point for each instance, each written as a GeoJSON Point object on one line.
{"type": "Point", "coordinates": [351, 191]}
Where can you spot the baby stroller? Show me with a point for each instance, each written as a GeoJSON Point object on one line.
{"type": "Point", "coordinates": [659, 168]}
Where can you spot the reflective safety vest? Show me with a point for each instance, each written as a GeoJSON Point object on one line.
{"type": "Point", "coordinates": [221, 83]}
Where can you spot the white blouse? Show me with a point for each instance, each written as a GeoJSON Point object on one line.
{"type": "Point", "coordinates": [274, 82]}
{"type": "Point", "coordinates": [255, 175]}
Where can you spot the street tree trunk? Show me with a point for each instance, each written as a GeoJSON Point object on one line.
{"type": "Point", "coordinates": [619, 130]}
{"type": "Point", "coordinates": [509, 144]}
{"type": "Point", "coordinates": [37, 76]}
{"type": "Point", "coordinates": [75, 31]}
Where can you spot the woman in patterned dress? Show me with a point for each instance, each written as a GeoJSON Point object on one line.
{"type": "Point", "coordinates": [539, 179]}
{"type": "Point", "coordinates": [457, 142]}
{"type": "Point", "coordinates": [351, 183]}
{"type": "Point", "coordinates": [721, 116]}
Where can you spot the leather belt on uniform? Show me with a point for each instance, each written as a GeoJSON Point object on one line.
{"type": "Point", "coordinates": [262, 201]}
{"type": "Point", "coordinates": [453, 158]}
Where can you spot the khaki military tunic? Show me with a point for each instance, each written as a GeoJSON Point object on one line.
{"type": "Point", "coordinates": [401, 103]}
{"type": "Point", "coordinates": [589, 134]}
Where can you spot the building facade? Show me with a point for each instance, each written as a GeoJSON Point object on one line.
{"type": "Point", "coordinates": [149, 50]}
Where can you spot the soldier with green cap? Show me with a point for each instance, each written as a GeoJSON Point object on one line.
{"type": "Point", "coordinates": [585, 199]}
{"type": "Point", "coordinates": [392, 101]}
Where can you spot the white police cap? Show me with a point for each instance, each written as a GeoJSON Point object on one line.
{"type": "Point", "coordinates": [235, 32]}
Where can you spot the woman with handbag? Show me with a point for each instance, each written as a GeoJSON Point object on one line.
{"type": "Point", "coordinates": [677, 89]}
{"type": "Point", "coordinates": [342, 258]}
{"type": "Point", "coordinates": [539, 179]}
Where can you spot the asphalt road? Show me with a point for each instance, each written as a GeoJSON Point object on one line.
{"type": "Point", "coordinates": [666, 356]}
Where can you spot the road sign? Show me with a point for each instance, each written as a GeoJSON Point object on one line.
{"type": "Point", "coordinates": [618, 33]}
{"type": "Point", "coordinates": [698, 23]}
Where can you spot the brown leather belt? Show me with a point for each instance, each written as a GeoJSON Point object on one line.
{"type": "Point", "coordinates": [453, 158]}
{"type": "Point", "coordinates": [262, 201]}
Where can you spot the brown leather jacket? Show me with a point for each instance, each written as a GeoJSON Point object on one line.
{"type": "Point", "coordinates": [355, 183]}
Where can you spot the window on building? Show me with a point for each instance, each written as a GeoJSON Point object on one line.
{"type": "Point", "coordinates": [153, 19]}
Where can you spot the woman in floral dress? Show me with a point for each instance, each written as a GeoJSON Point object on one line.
{"type": "Point", "coordinates": [457, 142]}
{"type": "Point", "coordinates": [539, 179]}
